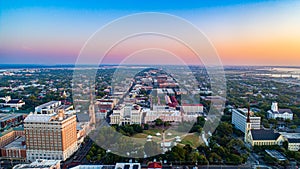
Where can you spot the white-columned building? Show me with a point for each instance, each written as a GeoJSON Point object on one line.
{"type": "Point", "coordinates": [275, 112]}
{"type": "Point", "coordinates": [192, 108]}
{"type": "Point", "coordinates": [128, 114]}
{"type": "Point", "coordinates": [164, 115]}
{"type": "Point", "coordinates": [239, 117]}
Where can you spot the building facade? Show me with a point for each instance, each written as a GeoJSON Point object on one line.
{"type": "Point", "coordinates": [239, 118]}
{"type": "Point", "coordinates": [10, 135]}
{"type": "Point", "coordinates": [52, 107]}
{"type": "Point", "coordinates": [15, 150]}
{"type": "Point", "coordinates": [262, 137]}
{"type": "Point", "coordinates": [293, 144]}
{"type": "Point", "coordinates": [192, 108]}
{"type": "Point", "coordinates": [128, 114]}
{"type": "Point", "coordinates": [40, 164]}
{"type": "Point", "coordinates": [166, 116]}
{"type": "Point", "coordinates": [50, 136]}
{"type": "Point", "coordinates": [275, 112]}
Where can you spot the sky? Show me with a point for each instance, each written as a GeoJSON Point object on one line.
{"type": "Point", "coordinates": [244, 32]}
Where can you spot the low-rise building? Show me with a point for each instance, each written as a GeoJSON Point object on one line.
{"type": "Point", "coordinates": [10, 120]}
{"type": "Point", "coordinates": [15, 150]}
{"type": "Point", "coordinates": [165, 115]}
{"type": "Point", "coordinates": [15, 103]}
{"type": "Point", "coordinates": [82, 131]}
{"type": "Point", "coordinates": [128, 114]}
{"type": "Point", "coordinates": [106, 104]}
{"type": "Point", "coordinates": [192, 108]}
{"type": "Point", "coordinates": [293, 144]}
{"type": "Point", "coordinates": [275, 112]}
{"type": "Point", "coordinates": [51, 107]}
{"type": "Point", "coordinates": [9, 136]}
{"type": "Point", "coordinates": [40, 164]}
{"type": "Point", "coordinates": [262, 137]}
{"type": "Point", "coordinates": [293, 140]}
{"type": "Point", "coordinates": [117, 166]}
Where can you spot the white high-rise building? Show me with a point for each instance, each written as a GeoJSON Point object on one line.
{"type": "Point", "coordinates": [239, 118]}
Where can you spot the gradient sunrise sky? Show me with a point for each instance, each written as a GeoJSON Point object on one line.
{"type": "Point", "coordinates": [244, 32]}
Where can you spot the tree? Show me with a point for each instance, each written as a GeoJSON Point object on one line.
{"type": "Point", "coordinates": [193, 157]}
{"type": "Point", "coordinates": [202, 160]}
{"type": "Point", "coordinates": [88, 157]}
{"type": "Point", "coordinates": [159, 122]}
{"type": "Point", "coordinates": [234, 159]}
{"type": "Point", "coordinates": [293, 127]}
{"type": "Point", "coordinates": [214, 158]}
{"type": "Point", "coordinates": [146, 126]}
{"type": "Point", "coordinates": [137, 128]}
{"type": "Point", "coordinates": [224, 129]}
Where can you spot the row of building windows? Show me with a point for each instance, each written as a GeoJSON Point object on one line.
{"type": "Point", "coordinates": [264, 143]}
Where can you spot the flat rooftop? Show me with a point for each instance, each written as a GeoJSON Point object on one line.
{"type": "Point", "coordinates": [276, 154]}
{"type": "Point", "coordinates": [244, 111]}
{"type": "Point", "coordinates": [47, 104]}
{"type": "Point", "coordinates": [45, 117]}
{"type": "Point", "coordinates": [38, 164]}
{"type": "Point", "coordinates": [16, 144]}
{"type": "Point", "coordinates": [38, 117]}
{"type": "Point", "coordinates": [5, 116]}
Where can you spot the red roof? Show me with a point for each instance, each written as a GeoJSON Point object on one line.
{"type": "Point", "coordinates": [154, 165]}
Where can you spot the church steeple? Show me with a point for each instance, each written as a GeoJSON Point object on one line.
{"type": "Point", "coordinates": [248, 124]}
{"type": "Point", "coordinates": [92, 109]}
{"type": "Point", "coordinates": [248, 114]}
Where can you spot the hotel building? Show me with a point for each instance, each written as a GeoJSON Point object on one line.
{"type": "Point", "coordinates": [50, 136]}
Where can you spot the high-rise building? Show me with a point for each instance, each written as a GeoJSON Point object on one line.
{"type": "Point", "coordinates": [50, 136]}
{"type": "Point", "coordinates": [239, 118]}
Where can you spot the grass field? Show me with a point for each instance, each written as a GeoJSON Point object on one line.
{"type": "Point", "coordinates": [152, 131]}
{"type": "Point", "coordinates": [140, 135]}
{"type": "Point", "coordinates": [192, 139]}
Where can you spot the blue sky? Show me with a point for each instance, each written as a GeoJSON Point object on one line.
{"type": "Point", "coordinates": [38, 31]}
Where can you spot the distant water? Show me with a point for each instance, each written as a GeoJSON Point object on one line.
{"type": "Point", "coordinates": [290, 70]}
{"type": "Point", "coordinates": [282, 72]}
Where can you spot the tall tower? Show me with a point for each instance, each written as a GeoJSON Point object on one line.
{"type": "Point", "coordinates": [92, 110]}
{"type": "Point", "coordinates": [248, 125]}
{"type": "Point", "coordinates": [274, 107]}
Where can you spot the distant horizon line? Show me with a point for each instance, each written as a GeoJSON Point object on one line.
{"type": "Point", "coordinates": [34, 65]}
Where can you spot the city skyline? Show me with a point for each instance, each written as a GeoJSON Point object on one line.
{"type": "Point", "coordinates": [243, 32]}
